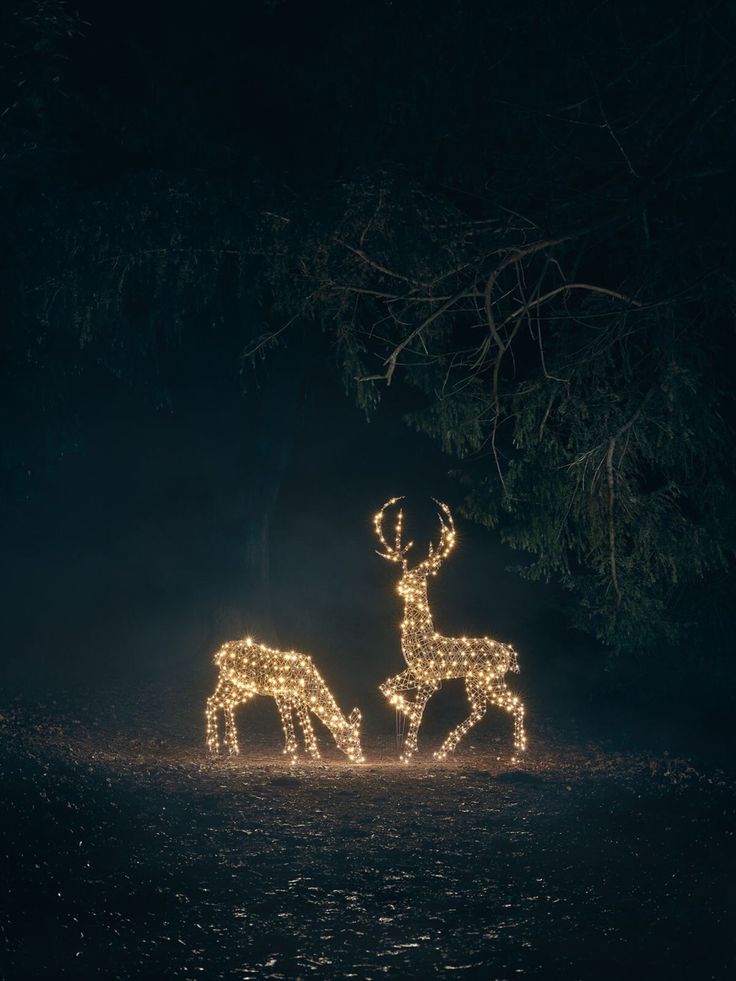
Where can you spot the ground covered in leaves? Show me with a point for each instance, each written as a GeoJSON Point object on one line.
{"type": "Point", "coordinates": [126, 853]}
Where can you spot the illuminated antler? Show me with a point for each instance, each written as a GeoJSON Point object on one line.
{"type": "Point", "coordinates": [396, 552]}
{"type": "Point", "coordinates": [448, 537]}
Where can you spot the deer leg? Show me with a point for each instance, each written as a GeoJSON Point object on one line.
{"type": "Point", "coordinates": [219, 700]}
{"type": "Point", "coordinates": [478, 708]}
{"type": "Point", "coordinates": [392, 689]}
{"type": "Point", "coordinates": [415, 711]}
{"type": "Point", "coordinates": [286, 708]}
{"type": "Point", "coordinates": [231, 733]}
{"type": "Point", "coordinates": [310, 740]}
{"type": "Point", "coordinates": [502, 696]}
{"type": "Point", "coordinates": [233, 697]}
{"type": "Point", "coordinates": [213, 738]}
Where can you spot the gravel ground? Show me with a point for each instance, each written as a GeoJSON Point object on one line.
{"type": "Point", "coordinates": [128, 854]}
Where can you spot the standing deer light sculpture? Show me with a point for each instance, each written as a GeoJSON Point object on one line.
{"type": "Point", "coordinates": [248, 669]}
{"type": "Point", "coordinates": [432, 658]}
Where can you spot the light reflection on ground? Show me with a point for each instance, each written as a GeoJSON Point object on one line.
{"type": "Point", "coordinates": [130, 854]}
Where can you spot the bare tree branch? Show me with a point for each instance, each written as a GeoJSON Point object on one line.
{"type": "Point", "coordinates": [563, 289]}
{"type": "Point", "coordinates": [378, 267]}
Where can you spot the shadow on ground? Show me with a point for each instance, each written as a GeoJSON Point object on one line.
{"type": "Point", "coordinates": [128, 854]}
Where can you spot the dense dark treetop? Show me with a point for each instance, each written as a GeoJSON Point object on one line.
{"type": "Point", "coordinates": [516, 214]}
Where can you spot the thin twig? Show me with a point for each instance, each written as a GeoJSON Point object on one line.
{"type": "Point", "coordinates": [377, 265]}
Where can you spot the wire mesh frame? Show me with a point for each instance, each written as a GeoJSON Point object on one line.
{"type": "Point", "coordinates": [400, 726]}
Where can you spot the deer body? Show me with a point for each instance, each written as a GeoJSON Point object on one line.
{"type": "Point", "coordinates": [248, 669]}
{"type": "Point", "coordinates": [432, 658]}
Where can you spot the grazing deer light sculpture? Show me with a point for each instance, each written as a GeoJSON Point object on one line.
{"type": "Point", "coordinates": [432, 658]}
{"type": "Point", "coordinates": [248, 669]}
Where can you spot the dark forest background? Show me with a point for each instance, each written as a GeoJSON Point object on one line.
{"type": "Point", "coordinates": [265, 265]}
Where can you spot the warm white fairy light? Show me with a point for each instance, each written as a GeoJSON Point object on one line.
{"type": "Point", "coordinates": [248, 669]}
{"type": "Point", "coordinates": [432, 658]}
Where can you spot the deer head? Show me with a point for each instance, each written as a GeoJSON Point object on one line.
{"type": "Point", "coordinates": [347, 737]}
{"type": "Point", "coordinates": [397, 552]}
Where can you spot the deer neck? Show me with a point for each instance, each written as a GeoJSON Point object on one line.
{"type": "Point", "coordinates": [417, 627]}
{"type": "Point", "coordinates": [327, 711]}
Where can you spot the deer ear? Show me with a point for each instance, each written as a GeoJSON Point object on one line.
{"type": "Point", "coordinates": [354, 716]}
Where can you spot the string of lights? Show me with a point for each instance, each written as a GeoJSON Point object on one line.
{"type": "Point", "coordinates": [431, 658]}
{"type": "Point", "coordinates": [248, 669]}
